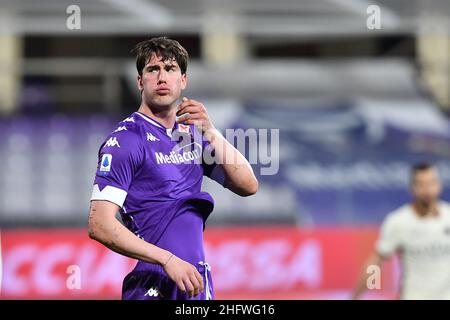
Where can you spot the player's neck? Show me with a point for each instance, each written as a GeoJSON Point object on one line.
{"type": "Point", "coordinates": [426, 210]}
{"type": "Point", "coordinates": [165, 116]}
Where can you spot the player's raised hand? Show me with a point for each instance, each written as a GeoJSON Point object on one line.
{"type": "Point", "coordinates": [185, 275]}
{"type": "Point", "coordinates": [193, 112]}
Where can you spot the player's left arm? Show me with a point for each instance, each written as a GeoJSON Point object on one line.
{"type": "Point", "coordinates": [239, 176]}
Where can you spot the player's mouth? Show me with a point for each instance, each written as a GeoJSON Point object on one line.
{"type": "Point", "coordinates": [163, 91]}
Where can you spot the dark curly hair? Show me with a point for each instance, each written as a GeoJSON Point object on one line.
{"type": "Point", "coordinates": [168, 49]}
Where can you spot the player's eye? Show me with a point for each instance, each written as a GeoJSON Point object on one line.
{"type": "Point", "coordinates": [152, 70]}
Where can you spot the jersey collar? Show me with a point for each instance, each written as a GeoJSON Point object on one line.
{"type": "Point", "coordinates": [157, 124]}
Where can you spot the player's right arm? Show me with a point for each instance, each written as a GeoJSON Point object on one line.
{"type": "Point", "coordinates": [106, 229]}
{"type": "Point", "coordinates": [388, 243]}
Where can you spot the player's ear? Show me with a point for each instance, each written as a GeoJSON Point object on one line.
{"type": "Point", "coordinates": [139, 82]}
{"type": "Point", "coordinates": [184, 81]}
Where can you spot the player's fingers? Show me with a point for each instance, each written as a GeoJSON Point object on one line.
{"type": "Point", "coordinates": [193, 116]}
{"type": "Point", "coordinates": [189, 109]}
{"type": "Point", "coordinates": [188, 102]}
{"type": "Point", "coordinates": [195, 122]}
{"type": "Point", "coordinates": [183, 118]}
{"type": "Point", "coordinates": [190, 117]}
{"type": "Point", "coordinates": [184, 104]}
{"type": "Point", "coordinates": [200, 280]}
{"type": "Point", "coordinates": [181, 285]}
{"type": "Point", "coordinates": [195, 283]}
{"type": "Point", "coordinates": [185, 99]}
{"type": "Point", "coordinates": [189, 286]}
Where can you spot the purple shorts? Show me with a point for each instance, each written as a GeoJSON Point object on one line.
{"type": "Point", "coordinates": [184, 238]}
{"type": "Point", "coordinates": [156, 285]}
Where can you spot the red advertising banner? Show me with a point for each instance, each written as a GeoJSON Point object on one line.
{"type": "Point", "coordinates": [247, 263]}
{"type": "Point", "coordinates": [292, 263]}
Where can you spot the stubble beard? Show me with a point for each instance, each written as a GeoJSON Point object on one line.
{"type": "Point", "coordinates": [153, 103]}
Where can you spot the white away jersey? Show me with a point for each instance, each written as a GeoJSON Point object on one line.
{"type": "Point", "coordinates": [424, 248]}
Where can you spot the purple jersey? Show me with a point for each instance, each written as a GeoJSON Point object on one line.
{"type": "Point", "coordinates": [154, 175]}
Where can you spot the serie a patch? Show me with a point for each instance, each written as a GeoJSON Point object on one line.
{"type": "Point", "coordinates": [105, 165]}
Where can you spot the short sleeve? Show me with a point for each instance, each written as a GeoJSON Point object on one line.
{"type": "Point", "coordinates": [119, 158]}
{"type": "Point", "coordinates": [389, 240]}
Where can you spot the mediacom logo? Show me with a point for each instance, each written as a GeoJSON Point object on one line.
{"type": "Point", "coordinates": [176, 158]}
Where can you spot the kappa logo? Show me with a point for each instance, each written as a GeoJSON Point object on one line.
{"type": "Point", "coordinates": [152, 292]}
{"type": "Point", "coordinates": [123, 128]}
{"type": "Point", "coordinates": [151, 137]}
{"type": "Point", "coordinates": [129, 119]}
{"type": "Point", "coordinates": [112, 142]}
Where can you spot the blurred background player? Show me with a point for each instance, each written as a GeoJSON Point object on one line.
{"type": "Point", "coordinates": [419, 232]}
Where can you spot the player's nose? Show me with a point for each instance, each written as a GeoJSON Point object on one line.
{"type": "Point", "coordinates": [162, 77]}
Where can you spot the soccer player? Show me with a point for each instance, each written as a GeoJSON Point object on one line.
{"type": "Point", "coordinates": [420, 233]}
{"type": "Point", "coordinates": [150, 169]}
